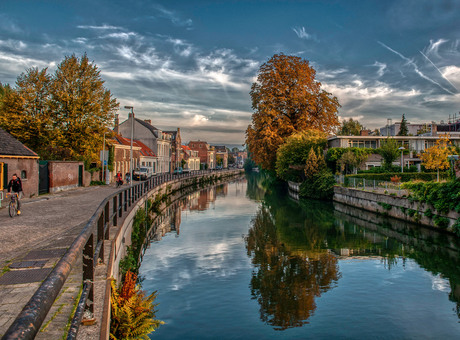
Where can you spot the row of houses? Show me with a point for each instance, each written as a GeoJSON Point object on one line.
{"type": "Point", "coordinates": [160, 150]}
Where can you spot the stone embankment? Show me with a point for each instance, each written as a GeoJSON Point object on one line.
{"type": "Point", "coordinates": [397, 207]}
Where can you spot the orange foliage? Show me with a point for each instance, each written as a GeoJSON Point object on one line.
{"type": "Point", "coordinates": [286, 99]}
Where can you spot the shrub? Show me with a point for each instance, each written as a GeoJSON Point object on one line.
{"type": "Point", "coordinates": [411, 212]}
{"type": "Point", "coordinates": [385, 206]}
{"type": "Point", "coordinates": [321, 186]}
{"type": "Point", "coordinates": [428, 213]}
{"type": "Point", "coordinates": [441, 221]}
{"type": "Point", "coordinates": [132, 313]}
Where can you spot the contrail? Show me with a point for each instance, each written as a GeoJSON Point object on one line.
{"type": "Point", "coordinates": [420, 73]}
{"type": "Point", "coordinates": [438, 70]}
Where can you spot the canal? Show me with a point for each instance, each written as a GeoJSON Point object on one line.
{"type": "Point", "coordinates": [241, 261]}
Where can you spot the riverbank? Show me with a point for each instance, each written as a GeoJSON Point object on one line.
{"type": "Point", "coordinates": [398, 207]}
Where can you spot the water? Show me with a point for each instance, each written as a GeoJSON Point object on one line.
{"type": "Point", "coordinates": [239, 261]}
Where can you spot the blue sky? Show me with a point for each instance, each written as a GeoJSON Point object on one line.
{"type": "Point", "coordinates": [190, 64]}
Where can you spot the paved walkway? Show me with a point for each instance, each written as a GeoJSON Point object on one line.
{"type": "Point", "coordinates": [32, 243]}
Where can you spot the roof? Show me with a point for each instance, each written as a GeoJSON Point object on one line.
{"type": "Point", "coordinates": [186, 147]}
{"type": "Point", "coordinates": [152, 128]}
{"type": "Point", "coordinates": [10, 146]}
{"type": "Point", "coordinates": [144, 149]}
{"type": "Point", "coordinates": [220, 148]}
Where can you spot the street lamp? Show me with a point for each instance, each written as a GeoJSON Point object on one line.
{"type": "Point", "coordinates": [131, 149]}
{"type": "Point", "coordinates": [402, 149]}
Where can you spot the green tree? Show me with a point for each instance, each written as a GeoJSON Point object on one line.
{"type": "Point", "coordinates": [350, 128]}
{"type": "Point", "coordinates": [389, 151]}
{"type": "Point", "coordinates": [403, 131]}
{"type": "Point", "coordinates": [286, 98]}
{"type": "Point", "coordinates": [82, 107]}
{"type": "Point", "coordinates": [293, 154]}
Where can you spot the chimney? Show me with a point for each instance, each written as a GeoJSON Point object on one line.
{"type": "Point", "coordinates": [117, 124]}
{"type": "Point", "coordinates": [148, 121]}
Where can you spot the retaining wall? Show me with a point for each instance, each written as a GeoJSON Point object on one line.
{"type": "Point", "coordinates": [394, 206]}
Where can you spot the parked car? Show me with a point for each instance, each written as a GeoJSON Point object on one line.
{"type": "Point", "coordinates": [142, 173]}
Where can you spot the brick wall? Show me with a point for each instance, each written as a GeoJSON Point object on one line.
{"type": "Point", "coordinates": [30, 168]}
{"type": "Point", "coordinates": [63, 175]}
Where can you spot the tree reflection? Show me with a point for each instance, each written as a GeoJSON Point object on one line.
{"type": "Point", "coordinates": [286, 282]}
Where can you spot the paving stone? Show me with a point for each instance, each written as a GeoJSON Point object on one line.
{"type": "Point", "coordinates": [27, 264]}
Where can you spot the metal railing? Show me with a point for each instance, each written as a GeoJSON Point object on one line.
{"type": "Point", "coordinates": [368, 184]}
{"type": "Point", "coordinates": [90, 245]}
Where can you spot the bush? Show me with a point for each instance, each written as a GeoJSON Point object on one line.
{"type": "Point", "coordinates": [320, 187]}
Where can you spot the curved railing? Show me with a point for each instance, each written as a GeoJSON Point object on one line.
{"type": "Point", "coordinates": [90, 245]}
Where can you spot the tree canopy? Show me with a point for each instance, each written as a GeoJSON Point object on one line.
{"type": "Point", "coordinates": [389, 152]}
{"type": "Point", "coordinates": [63, 116]}
{"type": "Point", "coordinates": [350, 128]}
{"type": "Point", "coordinates": [286, 98]}
{"type": "Point", "coordinates": [292, 155]}
{"type": "Point", "coordinates": [403, 130]}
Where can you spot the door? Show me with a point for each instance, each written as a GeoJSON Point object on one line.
{"type": "Point", "coordinates": [43, 178]}
{"type": "Point", "coordinates": [80, 176]}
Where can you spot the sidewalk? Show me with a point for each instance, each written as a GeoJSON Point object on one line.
{"type": "Point", "coordinates": [32, 243]}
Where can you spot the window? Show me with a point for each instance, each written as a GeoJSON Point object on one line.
{"type": "Point", "coordinates": [23, 174]}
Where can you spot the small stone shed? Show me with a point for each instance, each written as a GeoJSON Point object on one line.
{"type": "Point", "coordinates": [16, 158]}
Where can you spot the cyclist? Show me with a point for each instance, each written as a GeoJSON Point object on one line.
{"type": "Point", "coordinates": [16, 185]}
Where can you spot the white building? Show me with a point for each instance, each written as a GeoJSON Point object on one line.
{"type": "Point", "coordinates": [155, 139]}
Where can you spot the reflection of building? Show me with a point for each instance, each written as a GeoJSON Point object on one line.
{"type": "Point", "coordinates": [222, 190]}
{"type": "Point", "coordinates": [200, 200]}
{"type": "Point", "coordinates": [169, 220]}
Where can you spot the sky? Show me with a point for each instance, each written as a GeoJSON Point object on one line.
{"type": "Point", "coordinates": [190, 64]}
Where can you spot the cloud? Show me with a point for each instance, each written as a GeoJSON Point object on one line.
{"type": "Point", "coordinates": [415, 67]}
{"type": "Point", "coordinates": [302, 34]}
{"type": "Point", "coordinates": [437, 69]}
{"type": "Point", "coordinates": [174, 17]}
{"type": "Point", "coordinates": [381, 68]}
{"type": "Point", "coordinates": [433, 48]}
{"type": "Point", "coordinates": [101, 27]}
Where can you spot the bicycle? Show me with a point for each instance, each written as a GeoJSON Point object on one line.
{"type": "Point", "coordinates": [13, 206]}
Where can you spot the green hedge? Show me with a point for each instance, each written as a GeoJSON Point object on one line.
{"type": "Point", "coordinates": [405, 176]}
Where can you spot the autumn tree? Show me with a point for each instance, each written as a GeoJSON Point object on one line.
{"type": "Point", "coordinates": [403, 130]}
{"type": "Point", "coordinates": [61, 116]}
{"type": "Point", "coordinates": [286, 98]}
{"type": "Point", "coordinates": [350, 128]}
{"type": "Point", "coordinates": [436, 157]}
{"type": "Point", "coordinates": [82, 107]}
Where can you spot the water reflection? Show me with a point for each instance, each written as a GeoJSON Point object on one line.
{"type": "Point", "coordinates": [295, 248]}
{"type": "Point", "coordinates": [245, 254]}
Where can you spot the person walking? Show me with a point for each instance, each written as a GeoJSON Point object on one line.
{"type": "Point", "coordinates": [15, 185]}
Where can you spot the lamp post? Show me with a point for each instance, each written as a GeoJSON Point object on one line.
{"type": "Point", "coordinates": [131, 149]}
{"type": "Point", "coordinates": [402, 149]}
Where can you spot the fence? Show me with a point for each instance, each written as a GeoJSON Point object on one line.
{"type": "Point", "coordinates": [90, 245]}
{"type": "Point", "coordinates": [368, 184]}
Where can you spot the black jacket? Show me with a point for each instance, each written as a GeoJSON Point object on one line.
{"type": "Point", "coordinates": [16, 185]}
